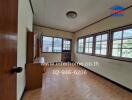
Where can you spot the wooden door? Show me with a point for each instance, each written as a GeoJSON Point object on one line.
{"type": "Point", "coordinates": [66, 50]}
{"type": "Point", "coordinates": [30, 47]}
{"type": "Point", "coordinates": [66, 57]}
{"type": "Point", "coordinates": [8, 48]}
{"type": "Point", "coordinates": [38, 48]}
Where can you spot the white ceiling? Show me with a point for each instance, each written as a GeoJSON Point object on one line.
{"type": "Point", "coordinates": [52, 13]}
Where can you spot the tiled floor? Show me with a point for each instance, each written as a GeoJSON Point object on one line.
{"type": "Point", "coordinates": [75, 86]}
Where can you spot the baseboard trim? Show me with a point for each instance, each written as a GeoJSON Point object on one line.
{"type": "Point", "coordinates": [23, 93]}
{"type": "Point", "coordinates": [118, 84]}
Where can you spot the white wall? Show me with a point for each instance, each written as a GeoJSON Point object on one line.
{"type": "Point", "coordinates": [25, 19]}
{"type": "Point", "coordinates": [118, 71]}
{"type": "Point", "coordinates": [52, 57]}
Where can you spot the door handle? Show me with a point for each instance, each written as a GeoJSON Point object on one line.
{"type": "Point", "coordinates": [16, 69]}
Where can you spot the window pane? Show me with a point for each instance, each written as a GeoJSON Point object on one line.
{"type": "Point", "coordinates": [127, 33]}
{"type": "Point", "coordinates": [87, 45]}
{"type": "Point", "coordinates": [104, 45]}
{"type": "Point", "coordinates": [90, 45]}
{"type": "Point", "coordinates": [81, 41]}
{"type": "Point", "coordinates": [98, 45]}
{"type": "Point", "coordinates": [57, 45]}
{"type": "Point", "coordinates": [117, 35]}
{"type": "Point", "coordinates": [103, 51]}
{"type": "Point", "coordinates": [80, 45]}
{"type": "Point", "coordinates": [98, 38]}
{"type": "Point", "coordinates": [47, 48]}
{"type": "Point", "coordinates": [87, 39]}
{"type": "Point", "coordinates": [47, 44]}
{"type": "Point", "coordinates": [117, 44]}
{"type": "Point", "coordinates": [90, 50]}
{"type": "Point", "coordinates": [97, 51]}
{"type": "Point", "coordinates": [57, 49]}
{"type": "Point", "coordinates": [127, 53]}
{"type": "Point", "coordinates": [68, 42]}
{"type": "Point", "coordinates": [101, 44]}
{"type": "Point", "coordinates": [86, 50]}
{"type": "Point", "coordinates": [116, 52]}
{"type": "Point", "coordinates": [66, 45]}
{"type": "Point", "coordinates": [80, 50]}
{"type": "Point", "coordinates": [104, 37]}
{"type": "Point", "coordinates": [64, 48]}
{"type": "Point", "coordinates": [127, 45]}
{"type": "Point", "coordinates": [127, 41]}
{"type": "Point", "coordinates": [57, 41]}
{"type": "Point", "coordinates": [91, 39]}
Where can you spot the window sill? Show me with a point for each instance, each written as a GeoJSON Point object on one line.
{"type": "Point", "coordinates": [51, 52]}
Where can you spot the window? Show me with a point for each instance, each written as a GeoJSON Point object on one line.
{"type": "Point", "coordinates": [89, 44]}
{"type": "Point", "coordinates": [47, 44]}
{"type": "Point", "coordinates": [80, 45]}
{"type": "Point", "coordinates": [101, 44]}
{"type": "Point", "coordinates": [122, 43]}
{"type": "Point", "coordinates": [116, 45]}
{"type": "Point", "coordinates": [66, 44]}
{"type": "Point", "coordinates": [57, 47]}
{"type": "Point", "coordinates": [51, 44]}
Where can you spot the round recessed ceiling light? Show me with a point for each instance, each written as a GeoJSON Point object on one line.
{"type": "Point", "coordinates": [71, 14]}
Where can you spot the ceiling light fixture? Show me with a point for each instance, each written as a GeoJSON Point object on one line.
{"type": "Point", "coordinates": [71, 14]}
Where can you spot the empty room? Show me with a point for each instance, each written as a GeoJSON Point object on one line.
{"type": "Point", "coordinates": [65, 49]}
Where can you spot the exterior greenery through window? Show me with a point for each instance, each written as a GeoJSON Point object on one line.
{"type": "Point", "coordinates": [80, 45]}
{"type": "Point", "coordinates": [101, 44]}
{"type": "Point", "coordinates": [89, 45]}
{"type": "Point", "coordinates": [122, 43]}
